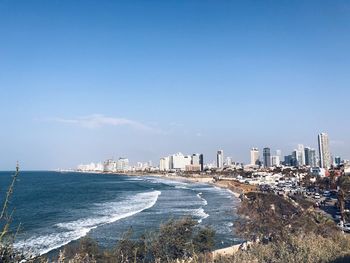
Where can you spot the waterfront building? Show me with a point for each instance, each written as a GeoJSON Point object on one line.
{"type": "Point", "coordinates": [99, 167]}
{"type": "Point", "coordinates": [178, 162]}
{"type": "Point", "coordinates": [267, 157]}
{"type": "Point", "coordinates": [254, 156]}
{"type": "Point", "coordinates": [201, 161]}
{"type": "Point", "coordinates": [220, 159]}
{"type": "Point", "coordinates": [109, 166]}
{"type": "Point", "coordinates": [123, 164]}
{"type": "Point", "coordinates": [324, 152]}
{"type": "Point", "coordinates": [164, 164]}
{"type": "Point", "coordinates": [192, 168]}
{"type": "Point", "coordinates": [187, 160]}
{"type": "Point", "coordinates": [195, 159]}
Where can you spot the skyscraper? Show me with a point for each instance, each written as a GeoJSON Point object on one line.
{"type": "Point", "coordinates": [275, 160]}
{"type": "Point", "coordinates": [220, 159]}
{"type": "Point", "coordinates": [310, 156]}
{"type": "Point", "coordinates": [254, 156]}
{"type": "Point", "coordinates": [324, 153]}
{"type": "Point", "coordinates": [279, 154]}
{"type": "Point", "coordinates": [267, 157]}
{"type": "Point", "coordinates": [301, 155]}
{"type": "Point", "coordinates": [201, 162]}
{"type": "Point", "coordinates": [195, 159]}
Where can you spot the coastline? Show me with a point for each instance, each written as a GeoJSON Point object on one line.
{"type": "Point", "coordinates": [236, 190]}
{"type": "Point", "coordinates": [225, 184]}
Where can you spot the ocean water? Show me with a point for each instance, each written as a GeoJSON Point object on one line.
{"type": "Point", "coordinates": [56, 208]}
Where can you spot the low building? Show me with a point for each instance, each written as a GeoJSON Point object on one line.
{"type": "Point", "coordinates": [317, 171]}
{"type": "Point", "coordinates": [193, 168]}
{"type": "Point", "coordinates": [347, 170]}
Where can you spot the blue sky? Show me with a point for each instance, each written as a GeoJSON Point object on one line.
{"type": "Point", "coordinates": [82, 81]}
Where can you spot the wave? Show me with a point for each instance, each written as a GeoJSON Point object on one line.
{"type": "Point", "coordinates": [181, 187]}
{"type": "Point", "coordinates": [201, 214]}
{"type": "Point", "coordinates": [197, 213]}
{"type": "Point", "coordinates": [199, 195]}
{"type": "Point", "coordinates": [135, 179]}
{"type": "Point", "coordinates": [169, 182]}
{"type": "Point", "coordinates": [102, 214]}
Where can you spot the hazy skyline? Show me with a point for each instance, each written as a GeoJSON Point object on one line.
{"type": "Point", "coordinates": [84, 81]}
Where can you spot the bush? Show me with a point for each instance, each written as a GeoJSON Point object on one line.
{"type": "Point", "coordinates": [309, 248]}
{"type": "Point", "coordinates": [176, 239]}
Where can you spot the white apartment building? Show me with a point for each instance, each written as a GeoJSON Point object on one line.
{"type": "Point", "coordinates": [254, 156]}
{"type": "Point", "coordinates": [164, 164]}
{"type": "Point", "coordinates": [220, 159]}
{"type": "Point", "coordinates": [324, 152]}
{"type": "Point", "coordinates": [122, 164]}
{"type": "Point", "coordinates": [275, 160]}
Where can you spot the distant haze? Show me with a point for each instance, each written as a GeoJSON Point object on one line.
{"type": "Point", "coordinates": [83, 81]}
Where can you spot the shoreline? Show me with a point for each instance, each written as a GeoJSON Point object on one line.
{"type": "Point", "coordinates": [235, 189]}
{"type": "Point", "coordinates": [225, 184]}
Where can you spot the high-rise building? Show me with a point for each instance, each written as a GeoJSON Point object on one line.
{"type": "Point", "coordinates": [220, 159]}
{"type": "Point", "coordinates": [337, 161]}
{"type": "Point", "coordinates": [301, 155]}
{"type": "Point", "coordinates": [109, 166]}
{"type": "Point", "coordinates": [254, 156]}
{"type": "Point", "coordinates": [164, 164]}
{"type": "Point", "coordinates": [201, 162]}
{"type": "Point", "coordinates": [123, 164]}
{"type": "Point", "coordinates": [324, 152]}
{"type": "Point", "coordinates": [275, 160]}
{"type": "Point", "coordinates": [310, 157]}
{"type": "Point", "coordinates": [288, 160]}
{"type": "Point", "coordinates": [177, 161]}
{"type": "Point", "coordinates": [279, 153]}
{"type": "Point", "coordinates": [195, 159]}
{"type": "Point", "coordinates": [267, 157]}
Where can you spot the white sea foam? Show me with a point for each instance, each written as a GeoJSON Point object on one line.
{"type": "Point", "coordinates": [199, 195]}
{"type": "Point", "coordinates": [198, 213]}
{"type": "Point", "coordinates": [201, 214]}
{"type": "Point", "coordinates": [101, 214]}
{"type": "Point", "coordinates": [181, 187]}
{"type": "Point", "coordinates": [167, 181]}
{"type": "Point", "coordinates": [135, 179]}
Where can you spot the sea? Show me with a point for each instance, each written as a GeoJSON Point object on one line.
{"type": "Point", "coordinates": [56, 208]}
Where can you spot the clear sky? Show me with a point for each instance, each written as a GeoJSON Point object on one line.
{"type": "Point", "coordinates": [82, 81]}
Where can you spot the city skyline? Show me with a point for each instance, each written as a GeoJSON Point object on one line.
{"type": "Point", "coordinates": [301, 156]}
{"type": "Point", "coordinates": [84, 81]}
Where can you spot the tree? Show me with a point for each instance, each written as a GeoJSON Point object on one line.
{"type": "Point", "coordinates": [174, 239]}
{"type": "Point", "coordinates": [343, 193]}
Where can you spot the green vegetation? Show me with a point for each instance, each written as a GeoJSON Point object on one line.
{"type": "Point", "coordinates": [176, 239]}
